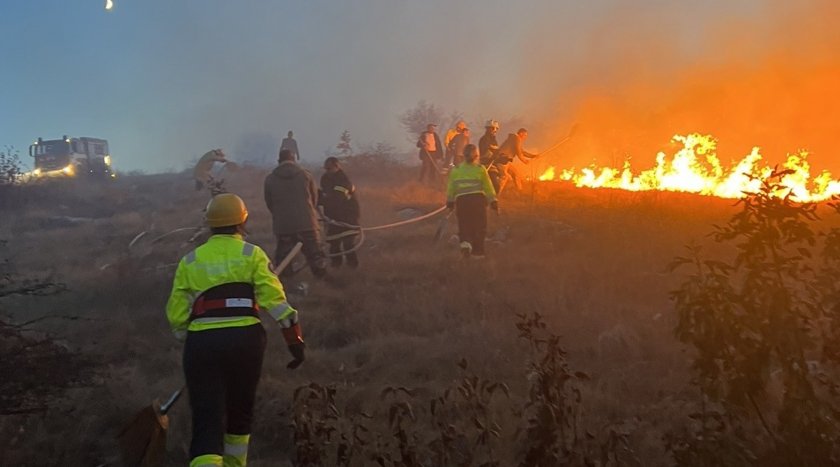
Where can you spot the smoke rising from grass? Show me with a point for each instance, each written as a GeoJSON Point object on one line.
{"type": "Point", "coordinates": [765, 75]}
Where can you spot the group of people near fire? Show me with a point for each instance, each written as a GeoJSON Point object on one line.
{"type": "Point", "coordinates": [220, 287]}
{"type": "Point", "coordinates": [476, 174]}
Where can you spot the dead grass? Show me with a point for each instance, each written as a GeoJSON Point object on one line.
{"type": "Point", "coordinates": [591, 262]}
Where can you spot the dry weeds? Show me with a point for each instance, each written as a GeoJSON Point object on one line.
{"type": "Point", "coordinates": [591, 263]}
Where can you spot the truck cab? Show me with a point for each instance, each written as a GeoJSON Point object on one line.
{"type": "Point", "coordinates": [71, 157]}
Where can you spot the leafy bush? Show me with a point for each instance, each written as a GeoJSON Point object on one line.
{"type": "Point", "coordinates": [765, 318]}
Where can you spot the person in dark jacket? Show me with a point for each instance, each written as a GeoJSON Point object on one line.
{"type": "Point", "coordinates": [431, 153]}
{"type": "Point", "coordinates": [292, 197]}
{"type": "Point", "coordinates": [455, 148]}
{"type": "Point", "coordinates": [338, 198]}
{"type": "Point", "coordinates": [504, 157]}
{"type": "Point", "coordinates": [487, 144]}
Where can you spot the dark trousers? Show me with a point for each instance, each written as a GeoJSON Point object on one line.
{"type": "Point", "coordinates": [342, 244]}
{"type": "Point", "coordinates": [429, 167]}
{"type": "Point", "coordinates": [471, 211]}
{"type": "Point", "coordinates": [222, 369]}
{"type": "Point", "coordinates": [315, 257]}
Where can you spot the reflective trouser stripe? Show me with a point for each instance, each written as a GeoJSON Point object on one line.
{"type": "Point", "coordinates": [236, 450]}
{"type": "Point", "coordinates": [207, 460]}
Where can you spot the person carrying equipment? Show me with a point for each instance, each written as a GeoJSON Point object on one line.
{"type": "Point", "coordinates": [201, 172]}
{"type": "Point", "coordinates": [468, 192]}
{"type": "Point", "coordinates": [338, 198]}
{"type": "Point", "coordinates": [509, 150]}
{"type": "Point", "coordinates": [431, 153]}
{"type": "Point", "coordinates": [218, 289]}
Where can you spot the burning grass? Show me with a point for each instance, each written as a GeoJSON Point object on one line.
{"type": "Point", "coordinates": [696, 168]}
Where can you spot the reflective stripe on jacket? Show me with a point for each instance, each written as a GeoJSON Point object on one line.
{"type": "Point", "coordinates": [221, 260]}
{"type": "Point", "coordinates": [468, 178]}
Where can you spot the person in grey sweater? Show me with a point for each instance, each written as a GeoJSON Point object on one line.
{"type": "Point", "coordinates": [292, 197]}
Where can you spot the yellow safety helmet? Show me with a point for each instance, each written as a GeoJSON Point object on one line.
{"type": "Point", "coordinates": [224, 210]}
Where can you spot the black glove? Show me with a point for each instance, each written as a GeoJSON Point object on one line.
{"type": "Point", "coordinates": [297, 355]}
{"type": "Point", "coordinates": [450, 205]}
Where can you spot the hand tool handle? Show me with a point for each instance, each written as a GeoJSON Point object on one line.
{"type": "Point", "coordinates": [288, 259]}
{"type": "Point", "coordinates": [171, 401]}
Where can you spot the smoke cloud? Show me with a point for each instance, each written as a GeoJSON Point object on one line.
{"type": "Point", "coordinates": [175, 79]}
{"type": "Point", "coordinates": [764, 76]}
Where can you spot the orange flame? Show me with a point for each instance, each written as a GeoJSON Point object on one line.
{"type": "Point", "coordinates": [696, 169]}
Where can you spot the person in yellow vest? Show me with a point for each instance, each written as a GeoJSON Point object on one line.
{"type": "Point", "coordinates": [218, 289]}
{"type": "Point", "coordinates": [202, 169]}
{"type": "Point", "coordinates": [459, 127]}
{"type": "Point", "coordinates": [468, 192]}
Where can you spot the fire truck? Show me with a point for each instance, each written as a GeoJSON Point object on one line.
{"type": "Point", "coordinates": [71, 157]}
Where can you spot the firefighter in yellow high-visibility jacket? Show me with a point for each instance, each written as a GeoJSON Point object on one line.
{"type": "Point", "coordinates": [218, 289]}
{"type": "Point", "coordinates": [468, 192]}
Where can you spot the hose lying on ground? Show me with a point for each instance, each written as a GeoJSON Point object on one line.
{"type": "Point", "coordinates": [359, 231]}
{"type": "Point", "coordinates": [352, 230]}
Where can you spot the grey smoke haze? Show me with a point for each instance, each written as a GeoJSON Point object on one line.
{"type": "Point", "coordinates": [178, 78]}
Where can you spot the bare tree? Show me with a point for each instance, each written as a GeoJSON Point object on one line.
{"type": "Point", "coordinates": [415, 119]}
{"type": "Point", "coordinates": [344, 147]}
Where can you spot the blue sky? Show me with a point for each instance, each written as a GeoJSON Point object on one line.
{"type": "Point", "coordinates": [165, 81]}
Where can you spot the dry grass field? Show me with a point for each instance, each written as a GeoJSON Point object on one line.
{"type": "Point", "coordinates": [592, 263]}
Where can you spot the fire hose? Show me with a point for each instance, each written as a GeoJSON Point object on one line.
{"type": "Point", "coordinates": [352, 230]}
{"type": "Point", "coordinates": [359, 231]}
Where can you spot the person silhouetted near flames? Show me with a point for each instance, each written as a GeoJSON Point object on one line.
{"type": "Point", "coordinates": [338, 199]}
{"type": "Point", "coordinates": [468, 192]}
{"type": "Point", "coordinates": [504, 157]}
